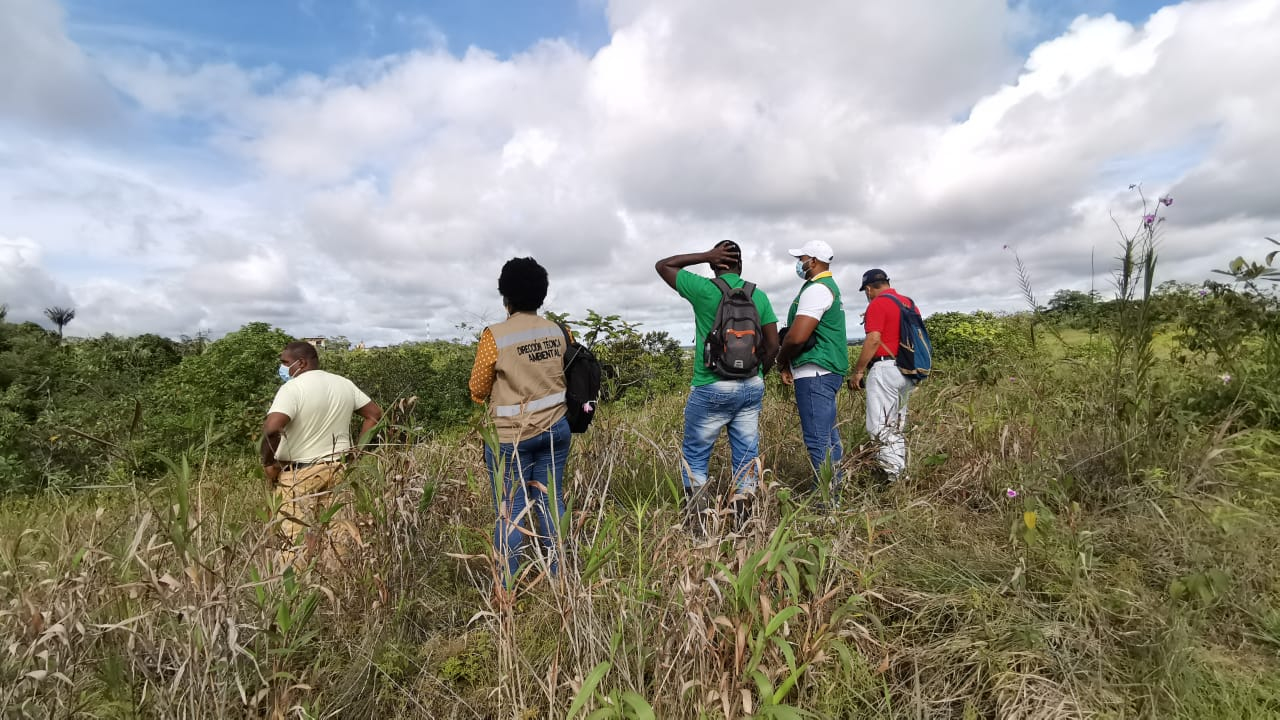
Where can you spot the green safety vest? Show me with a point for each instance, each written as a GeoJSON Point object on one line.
{"type": "Point", "coordinates": [832, 351]}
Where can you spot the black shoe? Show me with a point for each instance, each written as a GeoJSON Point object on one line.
{"type": "Point", "coordinates": [743, 508]}
{"type": "Point", "coordinates": [697, 504]}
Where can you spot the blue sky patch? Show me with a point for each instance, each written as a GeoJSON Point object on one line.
{"type": "Point", "coordinates": [316, 35]}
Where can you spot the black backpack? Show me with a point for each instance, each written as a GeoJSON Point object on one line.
{"type": "Point", "coordinates": [581, 383]}
{"type": "Point", "coordinates": [734, 343]}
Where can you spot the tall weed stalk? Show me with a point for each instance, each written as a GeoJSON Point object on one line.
{"type": "Point", "coordinates": [1133, 335]}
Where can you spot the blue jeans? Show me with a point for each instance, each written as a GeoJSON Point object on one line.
{"type": "Point", "coordinates": [532, 474]}
{"type": "Point", "coordinates": [726, 403]}
{"type": "Point", "coordinates": [816, 402]}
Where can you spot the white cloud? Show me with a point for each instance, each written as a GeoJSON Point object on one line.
{"type": "Point", "coordinates": [366, 115]}
{"type": "Point", "coordinates": [106, 305]}
{"type": "Point", "coordinates": [46, 79]}
{"type": "Point", "coordinates": [378, 200]}
{"type": "Point", "coordinates": [1104, 89]}
{"type": "Point", "coordinates": [26, 287]}
{"type": "Point", "coordinates": [173, 86]}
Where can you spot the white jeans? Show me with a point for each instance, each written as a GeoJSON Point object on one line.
{"type": "Point", "coordinates": [887, 393]}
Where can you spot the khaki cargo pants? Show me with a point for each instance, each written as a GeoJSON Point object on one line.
{"type": "Point", "coordinates": [306, 495]}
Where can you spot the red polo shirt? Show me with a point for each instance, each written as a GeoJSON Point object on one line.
{"type": "Point", "coordinates": [884, 317]}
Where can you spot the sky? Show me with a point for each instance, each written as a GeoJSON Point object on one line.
{"type": "Point", "coordinates": [362, 168]}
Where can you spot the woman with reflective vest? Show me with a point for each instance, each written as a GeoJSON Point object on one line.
{"type": "Point", "coordinates": [519, 373]}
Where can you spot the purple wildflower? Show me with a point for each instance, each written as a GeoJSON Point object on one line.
{"type": "Point", "coordinates": [1167, 200]}
{"type": "Point", "coordinates": [1149, 220]}
{"type": "Point", "coordinates": [1010, 493]}
{"type": "Point", "coordinates": [1204, 291]}
{"type": "Point", "coordinates": [1226, 378]}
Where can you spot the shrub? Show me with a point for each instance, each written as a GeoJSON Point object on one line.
{"type": "Point", "coordinates": [435, 372]}
{"type": "Point", "coordinates": [636, 365]}
{"type": "Point", "coordinates": [33, 370]}
{"type": "Point", "coordinates": [1234, 329]}
{"type": "Point", "coordinates": [227, 389]}
{"type": "Point", "coordinates": [973, 336]}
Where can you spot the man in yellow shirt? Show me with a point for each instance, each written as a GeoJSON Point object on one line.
{"type": "Point", "coordinates": [307, 436]}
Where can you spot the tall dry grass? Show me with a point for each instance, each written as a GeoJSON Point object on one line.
{"type": "Point", "coordinates": [1114, 585]}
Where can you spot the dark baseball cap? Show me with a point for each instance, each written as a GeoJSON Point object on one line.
{"type": "Point", "coordinates": [873, 276]}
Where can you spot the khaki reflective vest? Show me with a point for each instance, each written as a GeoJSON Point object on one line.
{"type": "Point", "coordinates": [528, 389]}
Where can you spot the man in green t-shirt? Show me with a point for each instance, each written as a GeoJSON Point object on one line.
{"type": "Point", "coordinates": [715, 402]}
{"type": "Point", "coordinates": [814, 357]}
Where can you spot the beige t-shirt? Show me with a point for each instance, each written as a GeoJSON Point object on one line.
{"type": "Point", "coordinates": [319, 406]}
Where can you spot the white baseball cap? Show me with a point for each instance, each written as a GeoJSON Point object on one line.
{"type": "Point", "coordinates": [815, 249]}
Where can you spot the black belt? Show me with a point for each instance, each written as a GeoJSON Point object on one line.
{"type": "Point", "coordinates": [881, 359]}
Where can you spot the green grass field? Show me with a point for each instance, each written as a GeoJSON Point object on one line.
{"type": "Point", "coordinates": [1063, 341]}
{"type": "Point", "coordinates": [1134, 575]}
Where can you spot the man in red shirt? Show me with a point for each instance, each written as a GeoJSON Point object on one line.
{"type": "Point", "coordinates": [887, 388]}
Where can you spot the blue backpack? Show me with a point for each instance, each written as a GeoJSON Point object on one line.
{"type": "Point", "coordinates": [915, 352]}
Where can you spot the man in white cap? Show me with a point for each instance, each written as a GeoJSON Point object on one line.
{"type": "Point", "coordinates": [814, 358]}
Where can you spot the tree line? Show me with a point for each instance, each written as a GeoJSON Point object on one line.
{"type": "Point", "coordinates": [108, 410]}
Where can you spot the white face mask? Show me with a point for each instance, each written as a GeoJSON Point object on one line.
{"type": "Point", "coordinates": [801, 270]}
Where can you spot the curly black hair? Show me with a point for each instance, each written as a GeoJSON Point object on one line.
{"type": "Point", "coordinates": [523, 284]}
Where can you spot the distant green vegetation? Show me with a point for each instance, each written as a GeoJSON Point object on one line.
{"type": "Point", "coordinates": [1088, 531]}
{"type": "Point", "coordinates": [105, 410]}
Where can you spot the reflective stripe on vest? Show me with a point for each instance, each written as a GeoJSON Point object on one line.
{"type": "Point", "coordinates": [541, 403]}
{"type": "Point", "coordinates": [527, 335]}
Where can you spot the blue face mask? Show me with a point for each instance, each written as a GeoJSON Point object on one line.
{"type": "Point", "coordinates": [284, 373]}
{"type": "Point", "coordinates": [801, 271]}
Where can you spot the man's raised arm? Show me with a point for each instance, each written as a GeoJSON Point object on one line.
{"type": "Point", "coordinates": [718, 257]}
